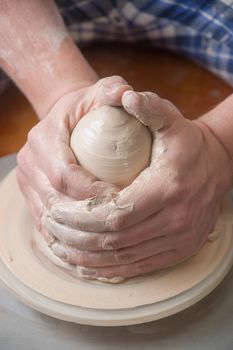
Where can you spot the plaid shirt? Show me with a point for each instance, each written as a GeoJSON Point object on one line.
{"type": "Point", "coordinates": [201, 30]}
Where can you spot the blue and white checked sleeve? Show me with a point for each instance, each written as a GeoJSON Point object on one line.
{"type": "Point", "coordinates": [201, 30]}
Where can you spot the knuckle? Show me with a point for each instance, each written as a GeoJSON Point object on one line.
{"type": "Point", "coordinates": [21, 158]}
{"type": "Point", "coordinates": [118, 79]}
{"type": "Point", "coordinates": [32, 135]}
{"type": "Point", "coordinates": [58, 178]}
{"type": "Point", "coordinates": [117, 223]}
{"type": "Point", "coordinates": [51, 198]}
{"type": "Point", "coordinates": [37, 135]}
{"type": "Point", "coordinates": [177, 188]}
{"type": "Point", "coordinates": [112, 80]}
{"type": "Point", "coordinates": [110, 242]}
{"type": "Point", "coordinates": [124, 257]}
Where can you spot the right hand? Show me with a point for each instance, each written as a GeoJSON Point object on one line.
{"type": "Point", "coordinates": [47, 170]}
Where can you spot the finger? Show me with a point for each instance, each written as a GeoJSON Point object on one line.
{"type": "Point", "coordinates": [34, 205]}
{"type": "Point", "coordinates": [107, 91]}
{"type": "Point", "coordinates": [207, 225]}
{"type": "Point", "coordinates": [110, 91]}
{"type": "Point", "coordinates": [118, 257]}
{"type": "Point", "coordinates": [150, 109]}
{"type": "Point", "coordinates": [163, 223]}
{"type": "Point", "coordinates": [144, 266]}
{"type": "Point", "coordinates": [36, 178]}
{"type": "Point", "coordinates": [41, 195]}
{"type": "Point", "coordinates": [60, 166]}
{"type": "Point", "coordinates": [116, 211]}
{"type": "Point", "coordinates": [187, 242]}
{"type": "Point", "coordinates": [186, 246]}
{"type": "Point", "coordinates": [110, 240]}
{"type": "Point", "coordinates": [78, 239]}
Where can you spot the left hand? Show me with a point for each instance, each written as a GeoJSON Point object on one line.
{"type": "Point", "coordinates": [168, 211]}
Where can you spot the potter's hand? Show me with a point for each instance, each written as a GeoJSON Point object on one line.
{"type": "Point", "coordinates": [167, 212]}
{"type": "Point", "coordinates": [47, 170]}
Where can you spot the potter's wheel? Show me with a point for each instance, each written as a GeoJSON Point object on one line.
{"type": "Point", "coordinates": [48, 289]}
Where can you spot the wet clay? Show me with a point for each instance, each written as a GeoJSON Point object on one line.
{"type": "Point", "coordinates": [112, 145]}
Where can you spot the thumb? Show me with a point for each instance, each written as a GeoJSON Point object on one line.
{"type": "Point", "coordinates": [151, 110]}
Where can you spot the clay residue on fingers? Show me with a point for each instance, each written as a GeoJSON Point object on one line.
{"type": "Point", "coordinates": [100, 200]}
{"type": "Point", "coordinates": [138, 104]}
{"type": "Point", "coordinates": [90, 214]}
{"type": "Point", "coordinates": [90, 274]}
{"type": "Point", "coordinates": [45, 249]}
{"type": "Point", "coordinates": [112, 204]}
{"type": "Point", "coordinates": [97, 201]}
{"type": "Point", "coordinates": [154, 119]}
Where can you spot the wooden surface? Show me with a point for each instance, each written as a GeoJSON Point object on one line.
{"type": "Point", "coordinates": [190, 87]}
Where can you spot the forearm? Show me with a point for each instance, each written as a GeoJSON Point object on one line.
{"type": "Point", "coordinates": [37, 52]}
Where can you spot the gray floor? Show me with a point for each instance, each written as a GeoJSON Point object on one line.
{"type": "Point", "coordinates": [207, 325]}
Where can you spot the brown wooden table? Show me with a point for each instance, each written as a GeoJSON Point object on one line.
{"type": "Point", "coordinates": [190, 87]}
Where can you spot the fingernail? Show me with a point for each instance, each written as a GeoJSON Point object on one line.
{"type": "Point", "coordinates": [85, 272]}
{"type": "Point", "coordinates": [118, 84]}
{"type": "Point", "coordinates": [129, 98]}
{"type": "Point", "coordinates": [129, 94]}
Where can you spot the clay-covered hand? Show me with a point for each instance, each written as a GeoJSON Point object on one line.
{"type": "Point", "coordinates": [164, 216]}
{"type": "Point", "coordinates": [47, 170]}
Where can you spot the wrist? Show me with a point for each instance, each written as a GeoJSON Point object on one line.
{"type": "Point", "coordinates": [61, 89]}
{"type": "Point", "coordinates": [70, 71]}
{"type": "Point", "coordinates": [220, 159]}
{"type": "Point", "coordinates": [219, 121]}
